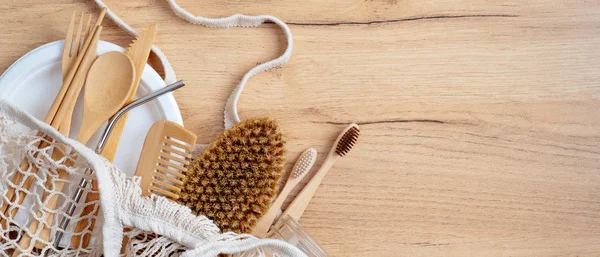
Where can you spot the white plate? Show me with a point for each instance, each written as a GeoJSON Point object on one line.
{"type": "Point", "coordinates": [33, 81]}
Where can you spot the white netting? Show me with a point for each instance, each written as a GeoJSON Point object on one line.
{"type": "Point", "coordinates": [40, 173]}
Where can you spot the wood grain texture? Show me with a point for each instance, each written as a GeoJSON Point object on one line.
{"type": "Point", "coordinates": [479, 119]}
{"type": "Point", "coordinates": [109, 83]}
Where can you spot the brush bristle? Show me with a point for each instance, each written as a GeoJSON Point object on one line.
{"type": "Point", "coordinates": [304, 163]}
{"type": "Point", "coordinates": [234, 180]}
{"type": "Point", "coordinates": [347, 141]}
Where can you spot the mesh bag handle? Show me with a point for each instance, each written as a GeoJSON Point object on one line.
{"type": "Point", "coordinates": [122, 205]}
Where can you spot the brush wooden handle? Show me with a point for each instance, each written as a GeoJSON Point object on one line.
{"type": "Point", "coordinates": [299, 204]}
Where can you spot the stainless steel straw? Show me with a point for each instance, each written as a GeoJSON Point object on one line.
{"type": "Point", "coordinates": [84, 182]}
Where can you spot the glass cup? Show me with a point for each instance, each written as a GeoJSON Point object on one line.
{"type": "Point", "coordinates": [289, 230]}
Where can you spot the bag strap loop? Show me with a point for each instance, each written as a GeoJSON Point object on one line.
{"type": "Point", "coordinates": [231, 116]}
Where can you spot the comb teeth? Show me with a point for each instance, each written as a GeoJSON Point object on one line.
{"type": "Point", "coordinates": [167, 179]}
{"type": "Point", "coordinates": [305, 162]}
{"type": "Point", "coordinates": [347, 141]}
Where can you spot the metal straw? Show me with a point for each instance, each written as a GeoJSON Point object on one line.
{"type": "Point", "coordinates": [111, 123]}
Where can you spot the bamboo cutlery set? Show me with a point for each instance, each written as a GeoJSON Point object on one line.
{"type": "Point", "coordinates": [110, 81]}
{"type": "Point", "coordinates": [166, 166]}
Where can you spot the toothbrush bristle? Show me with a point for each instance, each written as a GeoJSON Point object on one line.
{"type": "Point", "coordinates": [304, 163]}
{"type": "Point", "coordinates": [347, 141]}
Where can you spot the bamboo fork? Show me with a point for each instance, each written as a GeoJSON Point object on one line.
{"type": "Point", "coordinates": [49, 119]}
{"type": "Point", "coordinates": [72, 45]}
{"type": "Point", "coordinates": [76, 60]}
{"type": "Point", "coordinates": [69, 105]}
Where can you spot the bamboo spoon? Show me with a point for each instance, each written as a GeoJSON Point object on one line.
{"type": "Point", "coordinates": [107, 87]}
{"type": "Point", "coordinates": [110, 83]}
{"type": "Point", "coordinates": [138, 51]}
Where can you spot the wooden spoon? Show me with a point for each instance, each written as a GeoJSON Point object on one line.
{"type": "Point", "coordinates": [108, 86]}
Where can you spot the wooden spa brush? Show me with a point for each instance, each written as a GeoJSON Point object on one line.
{"type": "Point", "coordinates": [234, 179]}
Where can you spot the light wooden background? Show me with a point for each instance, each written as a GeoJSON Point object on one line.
{"type": "Point", "coordinates": [480, 119]}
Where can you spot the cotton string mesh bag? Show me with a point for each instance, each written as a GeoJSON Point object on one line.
{"type": "Point", "coordinates": [54, 165]}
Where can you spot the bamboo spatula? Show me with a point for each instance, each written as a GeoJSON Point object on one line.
{"type": "Point", "coordinates": [138, 51]}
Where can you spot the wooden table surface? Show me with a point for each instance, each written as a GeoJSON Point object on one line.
{"type": "Point", "coordinates": [480, 119]}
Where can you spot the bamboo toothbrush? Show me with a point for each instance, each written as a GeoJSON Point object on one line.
{"type": "Point", "coordinates": [343, 144]}
{"type": "Point", "coordinates": [303, 164]}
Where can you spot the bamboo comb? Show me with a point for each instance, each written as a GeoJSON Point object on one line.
{"type": "Point", "coordinates": [164, 159]}
{"type": "Point", "coordinates": [166, 153]}
{"type": "Point", "coordinates": [343, 144]}
{"type": "Point", "coordinates": [303, 164]}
